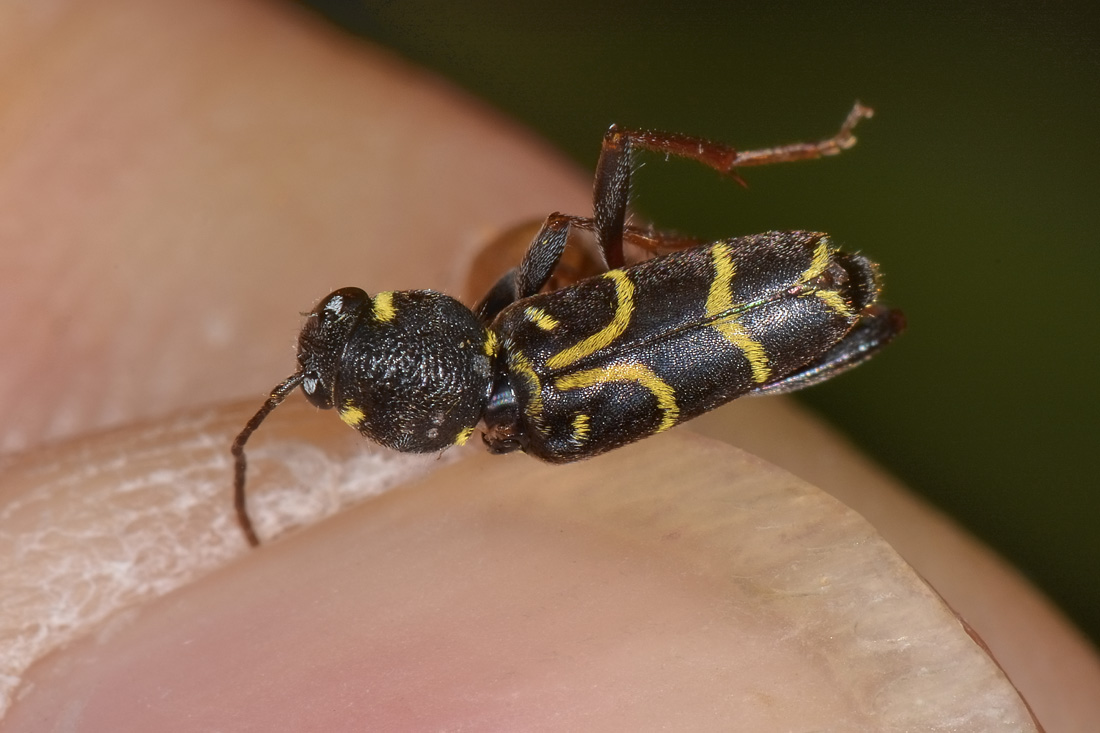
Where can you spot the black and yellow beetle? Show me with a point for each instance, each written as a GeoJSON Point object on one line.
{"type": "Point", "coordinates": [611, 359]}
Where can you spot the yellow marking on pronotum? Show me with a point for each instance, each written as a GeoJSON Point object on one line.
{"type": "Point", "coordinates": [519, 364]}
{"type": "Point", "coordinates": [628, 372]}
{"type": "Point", "coordinates": [383, 306]}
{"type": "Point", "coordinates": [541, 318]}
{"type": "Point", "coordinates": [720, 300]}
{"type": "Point", "coordinates": [463, 436]}
{"type": "Point", "coordinates": [580, 428]}
{"type": "Point", "coordinates": [834, 302]}
{"type": "Point", "coordinates": [624, 309]}
{"type": "Point", "coordinates": [352, 415]}
{"type": "Point", "coordinates": [492, 345]}
{"type": "Point", "coordinates": [823, 254]}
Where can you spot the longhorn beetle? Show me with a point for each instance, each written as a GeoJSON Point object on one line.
{"type": "Point", "coordinates": [611, 359]}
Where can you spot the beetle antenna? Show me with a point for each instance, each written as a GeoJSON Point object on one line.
{"type": "Point", "coordinates": [239, 500]}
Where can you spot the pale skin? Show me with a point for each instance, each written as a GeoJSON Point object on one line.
{"type": "Point", "coordinates": [178, 181]}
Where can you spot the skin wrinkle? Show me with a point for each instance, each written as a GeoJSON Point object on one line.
{"type": "Point", "coordinates": [837, 555]}
{"type": "Point", "coordinates": [148, 549]}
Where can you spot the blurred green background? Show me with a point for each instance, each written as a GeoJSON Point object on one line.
{"type": "Point", "coordinates": [975, 187]}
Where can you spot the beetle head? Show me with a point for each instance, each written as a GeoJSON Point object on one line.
{"type": "Point", "coordinates": [321, 343]}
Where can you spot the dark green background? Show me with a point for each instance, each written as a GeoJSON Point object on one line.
{"type": "Point", "coordinates": [975, 187]}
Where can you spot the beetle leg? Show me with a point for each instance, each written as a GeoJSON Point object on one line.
{"type": "Point", "coordinates": [538, 264]}
{"type": "Point", "coordinates": [611, 194]}
{"type": "Point", "coordinates": [544, 255]}
{"type": "Point", "coordinates": [611, 191]}
{"type": "Point", "coordinates": [658, 241]}
{"type": "Point", "coordinates": [877, 326]}
{"type": "Point", "coordinates": [575, 264]}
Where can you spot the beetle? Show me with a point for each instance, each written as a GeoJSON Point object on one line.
{"type": "Point", "coordinates": [605, 361]}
